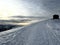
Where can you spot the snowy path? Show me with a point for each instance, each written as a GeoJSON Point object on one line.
{"type": "Point", "coordinates": [45, 35]}
{"type": "Point", "coordinates": [41, 33]}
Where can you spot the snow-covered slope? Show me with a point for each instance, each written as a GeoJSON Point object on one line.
{"type": "Point", "coordinates": [42, 33]}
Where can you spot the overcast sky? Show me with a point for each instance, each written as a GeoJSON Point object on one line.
{"type": "Point", "coordinates": [42, 7]}
{"type": "Point", "coordinates": [29, 7]}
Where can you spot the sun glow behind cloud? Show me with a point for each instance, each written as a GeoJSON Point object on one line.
{"type": "Point", "coordinates": [11, 8]}
{"type": "Point", "coordinates": [28, 8]}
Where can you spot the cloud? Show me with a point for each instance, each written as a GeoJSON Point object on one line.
{"type": "Point", "coordinates": [42, 7]}
{"type": "Point", "coordinates": [33, 7]}
{"type": "Point", "coordinates": [52, 5]}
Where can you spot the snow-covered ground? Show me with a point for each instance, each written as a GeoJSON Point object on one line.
{"type": "Point", "coordinates": [41, 33]}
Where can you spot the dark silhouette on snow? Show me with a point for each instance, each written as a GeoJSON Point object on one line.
{"type": "Point", "coordinates": [55, 16]}
{"type": "Point", "coordinates": [7, 27]}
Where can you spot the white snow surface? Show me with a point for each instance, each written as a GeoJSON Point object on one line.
{"type": "Point", "coordinates": [41, 33]}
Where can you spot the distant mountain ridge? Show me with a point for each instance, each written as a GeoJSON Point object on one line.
{"type": "Point", "coordinates": [27, 17]}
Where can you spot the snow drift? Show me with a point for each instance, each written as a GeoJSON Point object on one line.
{"type": "Point", "coordinates": [41, 33]}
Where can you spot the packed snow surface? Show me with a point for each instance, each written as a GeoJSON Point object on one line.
{"type": "Point", "coordinates": [41, 33]}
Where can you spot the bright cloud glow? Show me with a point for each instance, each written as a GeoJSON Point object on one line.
{"type": "Point", "coordinates": [11, 8]}
{"type": "Point", "coordinates": [29, 7]}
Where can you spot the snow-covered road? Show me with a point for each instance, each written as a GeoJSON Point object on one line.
{"type": "Point", "coordinates": [41, 33]}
